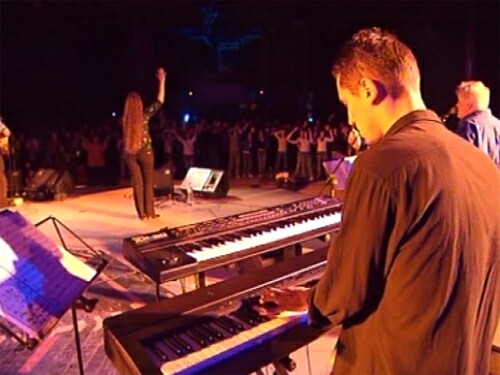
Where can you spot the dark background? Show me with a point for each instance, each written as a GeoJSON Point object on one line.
{"type": "Point", "coordinates": [65, 63]}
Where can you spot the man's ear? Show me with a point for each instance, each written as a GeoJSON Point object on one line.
{"type": "Point", "coordinates": [373, 91]}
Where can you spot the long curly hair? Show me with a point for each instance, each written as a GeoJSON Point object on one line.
{"type": "Point", "coordinates": [133, 123]}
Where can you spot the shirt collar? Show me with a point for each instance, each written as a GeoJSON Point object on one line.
{"type": "Point", "coordinates": [419, 115]}
{"type": "Point", "coordinates": [475, 113]}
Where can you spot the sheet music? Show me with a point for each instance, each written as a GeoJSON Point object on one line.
{"type": "Point", "coordinates": [38, 280]}
{"type": "Point", "coordinates": [341, 168]}
{"type": "Point", "coordinates": [196, 178]}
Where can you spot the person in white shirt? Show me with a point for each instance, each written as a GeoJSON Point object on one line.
{"type": "Point", "coordinates": [324, 137]}
{"type": "Point", "coordinates": [304, 162]}
{"type": "Point", "coordinates": [282, 152]}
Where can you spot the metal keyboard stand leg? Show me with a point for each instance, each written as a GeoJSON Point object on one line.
{"type": "Point", "coordinates": [199, 280]}
{"type": "Point", "coordinates": [158, 296]}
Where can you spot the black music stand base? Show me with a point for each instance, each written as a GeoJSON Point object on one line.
{"type": "Point", "coordinates": [77, 340]}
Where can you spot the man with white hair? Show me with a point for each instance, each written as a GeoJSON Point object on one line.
{"type": "Point", "coordinates": [477, 124]}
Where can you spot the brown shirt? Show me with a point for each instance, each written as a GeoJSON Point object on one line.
{"type": "Point", "coordinates": [414, 273]}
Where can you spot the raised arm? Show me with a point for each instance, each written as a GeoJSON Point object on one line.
{"type": "Point", "coordinates": [4, 130]}
{"type": "Point", "coordinates": [330, 136]}
{"type": "Point", "coordinates": [290, 135]}
{"type": "Point", "coordinates": [161, 74]}
{"type": "Point", "coordinates": [310, 136]}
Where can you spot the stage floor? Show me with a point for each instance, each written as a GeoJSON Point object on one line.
{"type": "Point", "coordinates": [103, 219]}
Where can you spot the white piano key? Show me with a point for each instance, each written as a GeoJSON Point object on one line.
{"type": "Point", "coordinates": [266, 237]}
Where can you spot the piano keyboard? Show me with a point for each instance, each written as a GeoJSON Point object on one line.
{"type": "Point", "coordinates": [216, 329]}
{"type": "Point", "coordinates": [253, 237]}
{"type": "Point", "coordinates": [172, 253]}
{"type": "Point", "coordinates": [231, 335]}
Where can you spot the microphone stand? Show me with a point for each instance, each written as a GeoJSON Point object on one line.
{"type": "Point", "coordinates": [10, 171]}
{"type": "Point", "coordinates": [13, 174]}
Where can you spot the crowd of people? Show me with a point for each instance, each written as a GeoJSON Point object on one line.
{"type": "Point", "coordinates": [96, 155]}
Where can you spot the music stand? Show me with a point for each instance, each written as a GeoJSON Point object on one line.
{"type": "Point", "coordinates": [338, 171]}
{"type": "Point", "coordinates": [40, 280]}
{"type": "Point", "coordinates": [202, 180]}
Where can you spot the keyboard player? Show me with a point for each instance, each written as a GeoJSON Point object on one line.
{"type": "Point", "coordinates": [414, 272]}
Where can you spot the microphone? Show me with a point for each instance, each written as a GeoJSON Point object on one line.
{"type": "Point", "coordinates": [451, 111]}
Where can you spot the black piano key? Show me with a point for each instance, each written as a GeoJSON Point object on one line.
{"type": "Point", "coordinates": [232, 322]}
{"type": "Point", "coordinates": [189, 247]}
{"type": "Point", "coordinates": [188, 341]}
{"type": "Point", "coordinates": [255, 312]}
{"type": "Point", "coordinates": [178, 350]}
{"type": "Point", "coordinates": [197, 337]}
{"type": "Point", "coordinates": [204, 243]}
{"type": "Point", "coordinates": [158, 351]}
{"type": "Point", "coordinates": [187, 347]}
{"type": "Point", "coordinates": [206, 336]}
{"type": "Point", "coordinates": [211, 326]}
{"type": "Point", "coordinates": [214, 241]}
{"type": "Point", "coordinates": [230, 237]}
{"type": "Point", "coordinates": [246, 232]}
{"type": "Point", "coordinates": [211, 336]}
{"type": "Point", "coordinates": [220, 240]}
{"type": "Point", "coordinates": [245, 318]}
{"type": "Point", "coordinates": [194, 247]}
{"type": "Point", "coordinates": [224, 325]}
{"type": "Point", "coordinates": [184, 247]}
{"type": "Point", "coordinates": [252, 314]}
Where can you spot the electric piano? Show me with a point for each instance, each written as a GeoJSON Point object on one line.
{"type": "Point", "coordinates": [169, 254]}
{"type": "Point", "coordinates": [216, 329]}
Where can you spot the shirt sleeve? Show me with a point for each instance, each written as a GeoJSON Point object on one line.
{"type": "Point", "coordinates": [353, 280]}
{"type": "Point", "coordinates": [469, 131]}
{"type": "Point", "coordinates": [152, 110]}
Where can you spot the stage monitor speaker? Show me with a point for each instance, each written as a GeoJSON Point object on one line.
{"type": "Point", "coordinates": [48, 184]}
{"type": "Point", "coordinates": [63, 185]}
{"type": "Point", "coordinates": [163, 182]}
{"type": "Point", "coordinates": [210, 182]}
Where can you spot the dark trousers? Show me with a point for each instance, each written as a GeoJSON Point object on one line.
{"type": "Point", "coordinates": [3, 185]}
{"type": "Point", "coordinates": [141, 167]}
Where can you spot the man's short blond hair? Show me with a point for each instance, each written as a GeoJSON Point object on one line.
{"type": "Point", "coordinates": [475, 93]}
